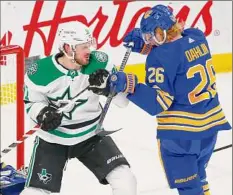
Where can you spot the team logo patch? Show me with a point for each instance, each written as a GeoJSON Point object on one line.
{"type": "Point", "coordinates": [101, 56]}
{"type": "Point", "coordinates": [44, 176]}
{"type": "Point", "coordinates": [32, 69]}
{"type": "Point", "coordinates": [147, 14]}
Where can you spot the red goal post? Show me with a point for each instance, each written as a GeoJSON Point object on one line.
{"type": "Point", "coordinates": [12, 59]}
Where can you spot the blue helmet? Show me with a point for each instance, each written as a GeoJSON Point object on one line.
{"type": "Point", "coordinates": [158, 16]}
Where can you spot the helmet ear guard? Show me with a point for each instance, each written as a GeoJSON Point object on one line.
{"type": "Point", "coordinates": [164, 38]}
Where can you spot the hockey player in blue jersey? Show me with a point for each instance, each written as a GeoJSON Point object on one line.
{"type": "Point", "coordinates": [180, 89]}
{"type": "Point", "coordinates": [11, 181]}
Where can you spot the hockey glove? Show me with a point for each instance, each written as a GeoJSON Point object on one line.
{"type": "Point", "coordinates": [135, 36]}
{"type": "Point", "coordinates": [49, 119]}
{"type": "Point", "coordinates": [124, 82]}
{"type": "Point", "coordinates": [99, 82]}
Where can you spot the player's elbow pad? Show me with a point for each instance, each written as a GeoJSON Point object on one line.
{"type": "Point", "coordinates": [121, 100]}
{"type": "Point", "coordinates": [145, 98]}
{"type": "Point", "coordinates": [152, 112]}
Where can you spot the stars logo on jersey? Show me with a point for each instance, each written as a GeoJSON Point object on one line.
{"type": "Point", "coordinates": [65, 100]}
{"type": "Point", "coordinates": [44, 176]}
{"type": "Point", "coordinates": [101, 56]}
{"type": "Point", "coordinates": [72, 73]}
{"type": "Point", "coordinates": [147, 14]}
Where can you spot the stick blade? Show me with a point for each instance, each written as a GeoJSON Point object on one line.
{"type": "Point", "coordinates": [104, 132]}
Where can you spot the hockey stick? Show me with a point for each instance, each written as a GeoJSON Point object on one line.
{"type": "Point", "coordinates": [73, 100]}
{"type": "Point", "coordinates": [99, 128]}
{"type": "Point", "coordinates": [32, 131]}
{"type": "Point", "coordinates": [112, 94]}
{"type": "Point", "coordinates": [17, 142]}
{"type": "Point", "coordinates": [223, 148]}
{"type": "Point", "coordinates": [102, 133]}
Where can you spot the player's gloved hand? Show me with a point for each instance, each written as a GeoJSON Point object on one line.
{"type": "Point", "coordinates": [124, 82]}
{"type": "Point", "coordinates": [99, 83]}
{"type": "Point", "coordinates": [49, 118]}
{"type": "Point", "coordinates": [139, 46]}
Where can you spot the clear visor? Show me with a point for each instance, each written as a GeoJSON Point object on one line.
{"type": "Point", "coordinates": [148, 37]}
{"type": "Point", "coordinates": [91, 43]}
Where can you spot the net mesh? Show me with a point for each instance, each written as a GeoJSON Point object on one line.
{"type": "Point", "coordinates": [8, 79]}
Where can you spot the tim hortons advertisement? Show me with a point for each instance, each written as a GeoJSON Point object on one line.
{"type": "Point", "coordinates": [33, 25]}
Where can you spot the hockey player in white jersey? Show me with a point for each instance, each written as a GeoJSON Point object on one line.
{"type": "Point", "coordinates": [50, 84]}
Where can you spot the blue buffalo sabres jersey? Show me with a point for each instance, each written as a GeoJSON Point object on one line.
{"type": "Point", "coordinates": [181, 90]}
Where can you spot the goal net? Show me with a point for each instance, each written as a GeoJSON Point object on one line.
{"type": "Point", "coordinates": [12, 105]}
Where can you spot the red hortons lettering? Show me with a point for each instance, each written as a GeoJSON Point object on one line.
{"type": "Point", "coordinates": [6, 39]}
{"type": "Point", "coordinates": [35, 26]}
{"type": "Point", "coordinates": [100, 18]}
{"type": "Point", "coordinates": [182, 15]}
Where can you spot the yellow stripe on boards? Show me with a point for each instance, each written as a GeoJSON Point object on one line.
{"type": "Point", "coordinates": [222, 62]}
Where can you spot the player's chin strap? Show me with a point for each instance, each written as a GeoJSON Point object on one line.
{"type": "Point", "coordinates": [71, 58]}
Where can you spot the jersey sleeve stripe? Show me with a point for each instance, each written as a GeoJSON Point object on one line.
{"type": "Point", "coordinates": [161, 102]}
{"type": "Point", "coordinates": [165, 98]}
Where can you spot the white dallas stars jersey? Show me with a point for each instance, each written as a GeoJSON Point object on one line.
{"type": "Point", "coordinates": [48, 82]}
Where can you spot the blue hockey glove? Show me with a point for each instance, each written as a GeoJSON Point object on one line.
{"type": "Point", "coordinates": [139, 46]}
{"type": "Point", "coordinates": [124, 82]}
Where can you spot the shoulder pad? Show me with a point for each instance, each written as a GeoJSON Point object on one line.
{"type": "Point", "coordinates": [43, 71]}
{"type": "Point", "coordinates": [98, 60]}
{"type": "Point", "coordinates": [194, 32]}
{"type": "Point", "coordinates": [100, 56]}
